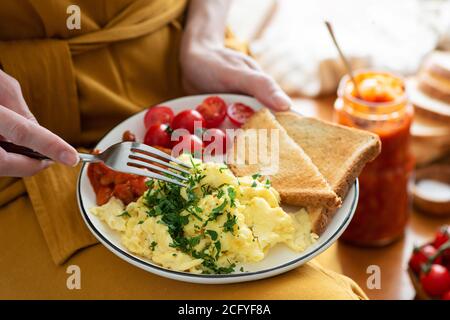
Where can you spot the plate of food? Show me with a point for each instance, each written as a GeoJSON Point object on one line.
{"type": "Point", "coordinates": [237, 218]}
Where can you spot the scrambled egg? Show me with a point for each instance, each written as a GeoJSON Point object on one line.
{"type": "Point", "coordinates": [211, 225]}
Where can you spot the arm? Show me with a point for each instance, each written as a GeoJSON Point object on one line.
{"type": "Point", "coordinates": [210, 67]}
{"type": "Point", "coordinates": [18, 125]}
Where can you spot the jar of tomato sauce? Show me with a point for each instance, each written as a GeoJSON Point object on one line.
{"type": "Point", "coordinates": [380, 105]}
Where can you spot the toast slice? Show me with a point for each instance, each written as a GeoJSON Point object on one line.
{"type": "Point", "coordinates": [339, 153]}
{"type": "Point", "coordinates": [298, 181]}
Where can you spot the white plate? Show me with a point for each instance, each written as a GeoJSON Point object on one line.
{"type": "Point", "coordinates": [280, 258]}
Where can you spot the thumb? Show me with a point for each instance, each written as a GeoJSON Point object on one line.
{"type": "Point", "coordinates": [266, 90]}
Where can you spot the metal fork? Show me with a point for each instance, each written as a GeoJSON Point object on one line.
{"type": "Point", "coordinates": [128, 157]}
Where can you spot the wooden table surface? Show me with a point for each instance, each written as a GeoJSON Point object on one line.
{"type": "Point", "coordinates": [392, 259]}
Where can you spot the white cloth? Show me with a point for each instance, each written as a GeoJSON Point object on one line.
{"type": "Point", "coordinates": [297, 50]}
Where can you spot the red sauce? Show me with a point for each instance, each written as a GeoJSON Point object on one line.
{"type": "Point", "coordinates": [108, 183]}
{"type": "Point", "coordinates": [383, 207]}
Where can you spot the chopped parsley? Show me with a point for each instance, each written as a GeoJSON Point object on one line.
{"type": "Point", "coordinates": [141, 222]}
{"type": "Point", "coordinates": [213, 234]}
{"type": "Point", "coordinates": [254, 184]}
{"type": "Point", "coordinates": [232, 196]}
{"type": "Point", "coordinates": [256, 176]}
{"type": "Point", "coordinates": [206, 189]}
{"type": "Point", "coordinates": [164, 202]}
{"type": "Point", "coordinates": [228, 226]}
{"type": "Point", "coordinates": [217, 211]}
{"type": "Point", "coordinates": [218, 246]}
{"type": "Point", "coordinates": [153, 245]}
{"type": "Point", "coordinates": [221, 169]}
{"type": "Point", "coordinates": [124, 214]}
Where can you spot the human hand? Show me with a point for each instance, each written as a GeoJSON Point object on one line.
{"type": "Point", "coordinates": [19, 126]}
{"type": "Point", "coordinates": [210, 67]}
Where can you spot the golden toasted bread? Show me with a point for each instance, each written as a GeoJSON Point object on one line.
{"type": "Point", "coordinates": [339, 153]}
{"type": "Point", "coordinates": [298, 180]}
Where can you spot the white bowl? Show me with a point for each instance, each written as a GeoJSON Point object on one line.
{"type": "Point", "coordinates": [279, 259]}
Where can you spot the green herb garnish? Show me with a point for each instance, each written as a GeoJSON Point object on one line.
{"type": "Point", "coordinates": [256, 176]}
{"type": "Point", "coordinates": [164, 203]}
{"type": "Point", "coordinates": [213, 234]}
{"type": "Point", "coordinates": [232, 195]}
{"type": "Point", "coordinates": [228, 226]}
{"type": "Point", "coordinates": [221, 169]}
{"type": "Point", "coordinates": [124, 214]}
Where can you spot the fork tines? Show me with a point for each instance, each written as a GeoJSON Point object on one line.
{"type": "Point", "coordinates": [145, 157]}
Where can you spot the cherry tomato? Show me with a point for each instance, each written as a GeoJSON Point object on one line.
{"type": "Point", "coordinates": [214, 110]}
{"type": "Point", "coordinates": [442, 236]}
{"type": "Point", "coordinates": [420, 257]}
{"type": "Point", "coordinates": [128, 136]}
{"type": "Point", "coordinates": [189, 120]}
{"type": "Point", "coordinates": [239, 113]}
{"type": "Point", "coordinates": [437, 281]}
{"type": "Point", "coordinates": [190, 144]}
{"type": "Point", "coordinates": [446, 296]}
{"type": "Point", "coordinates": [158, 135]}
{"type": "Point", "coordinates": [158, 115]}
{"type": "Point", "coordinates": [216, 139]}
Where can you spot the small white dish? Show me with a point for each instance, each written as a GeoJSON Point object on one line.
{"type": "Point", "coordinates": [280, 259]}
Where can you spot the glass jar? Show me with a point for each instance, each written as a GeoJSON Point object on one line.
{"type": "Point", "coordinates": [384, 201]}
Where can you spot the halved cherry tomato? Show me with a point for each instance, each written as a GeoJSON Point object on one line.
{"type": "Point", "coordinates": [158, 135]}
{"type": "Point", "coordinates": [420, 257]}
{"type": "Point", "coordinates": [239, 113]}
{"type": "Point", "coordinates": [436, 281]}
{"type": "Point", "coordinates": [442, 236]}
{"type": "Point", "coordinates": [214, 110]}
{"type": "Point", "coordinates": [188, 144]}
{"type": "Point", "coordinates": [217, 138]}
{"type": "Point", "coordinates": [158, 115]}
{"type": "Point", "coordinates": [189, 120]}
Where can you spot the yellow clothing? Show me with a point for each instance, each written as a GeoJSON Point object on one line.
{"type": "Point", "coordinates": [79, 84]}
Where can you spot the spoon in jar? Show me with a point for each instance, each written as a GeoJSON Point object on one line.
{"type": "Point", "coordinates": [343, 58]}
